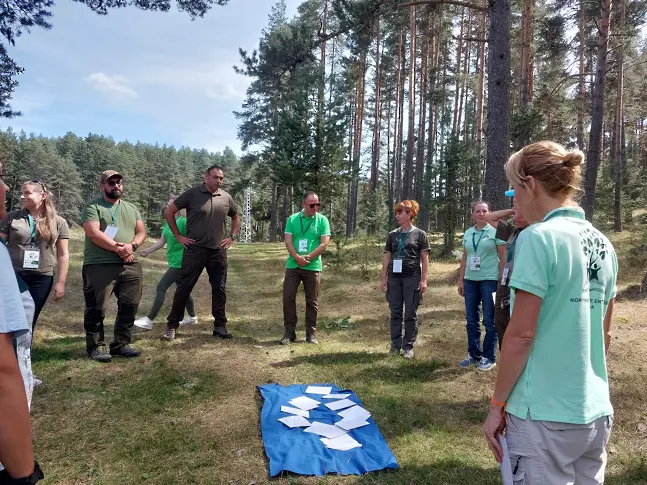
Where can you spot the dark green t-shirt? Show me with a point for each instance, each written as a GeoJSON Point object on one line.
{"type": "Point", "coordinates": [408, 247]}
{"type": "Point", "coordinates": [123, 215]}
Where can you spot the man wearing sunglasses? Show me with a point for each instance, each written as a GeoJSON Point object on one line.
{"type": "Point", "coordinates": [114, 230]}
{"type": "Point", "coordinates": [307, 234]}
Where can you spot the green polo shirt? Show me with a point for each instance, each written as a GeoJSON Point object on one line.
{"type": "Point", "coordinates": [482, 244]}
{"type": "Point", "coordinates": [573, 268]}
{"type": "Point", "coordinates": [309, 229]}
{"type": "Point", "coordinates": [174, 250]}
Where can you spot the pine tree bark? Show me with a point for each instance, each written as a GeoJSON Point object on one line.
{"type": "Point", "coordinates": [581, 107]}
{"type": "Point", "coordinates": [459, 53]}
{"type": "Point", "coordinates": [407, 183]}
{"type": "Point", "coordinates": [418, 181]}
{"type": "Point", "coordinates": [400, 118]}
{"type": "Point", "coordinates": [619, 131]}
{"type": "Point", "coordinates": [375, 153]}
{"type": "Point", "coordinates": [526, 85]}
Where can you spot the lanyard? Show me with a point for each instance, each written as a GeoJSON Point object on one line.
{"type": "Point", "coordinates": [402, 240]}
{"type": "Point", "coordinates": [511, 246]}
{"type": "Point", "coordinates": [574, 212]}
{"type": "Point", "coordinates": [474, 243]}
{"type": "Point", "coordinates": [113, 214]}
{"type": "Point", "coordinates": [303, 233]}
{"type": "Point", "coordinates": [32, 228]}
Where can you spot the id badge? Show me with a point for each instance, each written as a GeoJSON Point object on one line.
{"type": "Point", "coordinates": [31, 258]}
{"type": "Point", "coordinates": [111, 231]}
{"type": "Point", "coordinates": [504, 279]}
{"type": "Point", "coordinates": [397, 266]}
{"type": "Point", "coordinates": [475, 263]}
{"type": "Point", "coordinates": [303, 245]}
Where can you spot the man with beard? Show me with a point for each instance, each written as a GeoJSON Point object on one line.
{"type": "Point", "coordinates": [113, 231]}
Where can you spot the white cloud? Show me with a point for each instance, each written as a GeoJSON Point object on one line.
{"type": "Point", "coordinates": [116, 86]}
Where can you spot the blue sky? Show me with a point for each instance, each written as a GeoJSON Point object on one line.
{"type": "Point", "coordinates": [133, 75]}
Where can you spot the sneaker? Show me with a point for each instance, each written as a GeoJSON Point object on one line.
{"type": "Point", "coordinates": [189, 320]}
{"type": "Point", "coordinates": [169, 334]}
{"type": "Point", "coordinates": [221, 332]}
{"type": "Point", "coordinates": [408, 354]}
{"type": "Point", "coordinates": [394, 351]}
{"type": "Point", "coordinates": [144, 323]}
{"type": "Point", "coordinates": [486, 364]}
{"type": "Point", "coordinates": [100, 355]}
{"type": "Point", "coordinates": [36, 381]}
{"type": "Point", "coordinates": [468, 361]}
{"type": "Point", "coordinates": [124, 351]}
{"type": "Point", "coordinates": [288, 337]}
{"type": "Point", "coordinates": [312, 340]}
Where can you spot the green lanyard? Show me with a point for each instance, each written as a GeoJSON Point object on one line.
{"type": "Point", "coordinates": [474, 243]}
{"type": "Point", "coordinates": [32, 228]}
{"type": "Point", "coordinates": [303, 233]}
{"type": "Point", "coordinates": [402, 240]}
{"type": "Point", "coordinates": [576, 213]}
{"type": "Point", "coordinates": [114, 214]}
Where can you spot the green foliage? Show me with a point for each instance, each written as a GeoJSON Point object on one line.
{"type": "Point", "coordinates": [525, 127]}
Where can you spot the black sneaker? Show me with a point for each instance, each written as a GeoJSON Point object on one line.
{"type": "Point", "coordinates": [288, 337]}
{"type": "Point", "coordinates": [221, 332]}
{"type": "Point", "coordinates": [124, 351]}
{"type": "Point", "coordinates": [100, 355]}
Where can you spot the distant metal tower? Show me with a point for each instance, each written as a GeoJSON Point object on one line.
{"type": "Point", "coordinates": [246, 231]}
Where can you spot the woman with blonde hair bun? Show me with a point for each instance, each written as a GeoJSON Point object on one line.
{"type": "Point", "coordinates": [405, 268]}
{"type": "Point", "coordinates": [552, 389]}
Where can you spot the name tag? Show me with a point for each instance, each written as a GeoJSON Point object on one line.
{"type": "Point", "coordinates": [111, 231]}
{"type": "Point", "coordinates": [475, 263]}
{"type": "Point", "coordinates": [506, 273]}
{"type": "Point", "coordinates": [303, 246]}
{"type": "Point", "coordinates": [397, 266]}
{"type": "Point", "coordinates": [31, 258]}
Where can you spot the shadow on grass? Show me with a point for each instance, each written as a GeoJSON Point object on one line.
{"type": "Point", "coordinates": [57, 349]}
{"type": "Point", "coordinates": [413, 371]}
{"type": "Point", "coordinates": [636, 474]}
{"type": "Point", "coordinates": [331, 359]}
{"type": "Point", "coordinates": [631, 293]}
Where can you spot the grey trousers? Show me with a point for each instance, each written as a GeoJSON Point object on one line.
{"type": "Point", "coordinates": [550, 453]}
{"type": "Point", "coordinates": [399, 292]}
{"type": "Point", "coordinates": [169, 278]}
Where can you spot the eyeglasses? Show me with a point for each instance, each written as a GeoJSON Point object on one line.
{"type": "Point", "coordinates": [312, 206]}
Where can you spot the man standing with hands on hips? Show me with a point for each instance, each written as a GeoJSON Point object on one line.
{"type": "Point", "coordinates": [307, 234]}
{"type": "Point", "coordinates": [113, 231]}
{"type": "Point", "coordinates": [207, 207]}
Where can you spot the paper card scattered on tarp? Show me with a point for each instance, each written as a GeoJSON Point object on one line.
{"type": "Point", "coordinates": [339, 435]}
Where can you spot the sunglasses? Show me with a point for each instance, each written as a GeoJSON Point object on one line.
{"type": "Point", "coordinates": [114, 183]}
{"type": "Point", "coordinates": [312, 206]}
{"type": "Point", "coordinates": [42, 184]}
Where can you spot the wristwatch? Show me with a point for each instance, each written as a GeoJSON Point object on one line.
{"type": "Point", "coordinates": [135, 246]}
{"type": "Point", "coordinates": [37, 475]}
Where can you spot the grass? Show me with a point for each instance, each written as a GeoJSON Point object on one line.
{"type": "Point", "coordinates": [187, 412]}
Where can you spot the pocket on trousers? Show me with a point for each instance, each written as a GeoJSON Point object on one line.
{"type": "Point", "coordinates": [519, 478]}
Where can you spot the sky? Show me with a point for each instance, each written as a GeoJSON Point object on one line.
{"type": "Point", "coordinates": [138, 76]}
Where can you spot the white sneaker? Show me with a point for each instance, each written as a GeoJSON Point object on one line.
{"type": "Point", "coordinates": [145, 323]}
{"type": "Point", "coordinates": [188, 320]}
{"type": "Point", "coordinates": [36, 381]}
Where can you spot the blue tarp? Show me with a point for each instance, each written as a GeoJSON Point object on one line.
{"type": "Point", "coordinates": [292, 449]}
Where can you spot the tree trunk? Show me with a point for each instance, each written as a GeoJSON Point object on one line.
{"type": "Point", "coordinates": [581, 107]}
{"type": "Point", "coordinates": [619, 131]}
{"type": "Point", "coordinates": [526, 87]}
{"type": "Point", "coordinates": [273, 214]}
{"type": "Point", "coordinates": [407, 182]}
{"type": "Point", "coordinates": [422, 116]}
{"type": "Point", "coordinates": [319, 135]}
{"type": "Point", "coordinates": [597, 112]}
{"type": "Point", "coordinates": [479, 112]}
{"type": "Point", "coordinates": [375, 155]}
{"type": "Point", "coordinates": [459, 54]}
{"type": "Point", "coordinates": [498, 111]}
{"type": "Point", "coordinates": [400, 119]}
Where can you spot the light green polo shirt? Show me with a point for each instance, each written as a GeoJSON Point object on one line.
{"type": "Point", "coordinates": [482, 244]}
{"type": "Point", "coordinates": [573, 268]}
{"type": "Point", "coordinates": [310, 230]}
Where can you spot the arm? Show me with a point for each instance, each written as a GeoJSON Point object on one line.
{"type": "Point", "coordinates": [502, 249]}
{"type": "Point", "coordinates": [93, 231]}
{"type": "Point", "coordinates": [63, 257]}
{"type": "Point", "coordinates": [386, 260]}
{"type": "Point", "coordinates": [126, 251]}
{"type": "Point", "coordinates": [323, 245]}
{"type": "Point", "coordinates": [424, 257]}
{"type": "Point", "coordinates": [607, 325]}
{"type": "Point", "coordinates": [494, 217]}
{"type": "Point", "coordinates": [158, 245]}
{"type": "Point", "coordinates": [169, 214]}
{"type": "Point", "coordinates": [461, 275]}
{"type": "Point", "coordinates": [289, 245]}
{"type": "Point", "coordinates": [16, 452]}
{"type": "Point", "coordinates": [235, 226]}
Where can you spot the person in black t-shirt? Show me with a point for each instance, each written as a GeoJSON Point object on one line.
{"type": "Point", "coordinates": [405, 267]}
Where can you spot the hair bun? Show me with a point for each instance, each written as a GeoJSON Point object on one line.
{"type": "Point", "coordinates": [573, 159]}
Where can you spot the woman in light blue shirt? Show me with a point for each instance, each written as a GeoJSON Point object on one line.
{"type": "Point", "coordinates": [552, 390]}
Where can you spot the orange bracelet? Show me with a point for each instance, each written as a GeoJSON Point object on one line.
{"type": "Point", "coordinates": [502, 405]}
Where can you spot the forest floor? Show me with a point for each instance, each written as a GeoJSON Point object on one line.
{"type": "Point", "coordinates": [187, 412]}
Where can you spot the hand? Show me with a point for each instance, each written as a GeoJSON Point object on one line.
{"type": "Point", "coordinates": [227, 242]}
{"type": "Point", "coordinates": [59, 290]}
{"type": "Point", "coordinates": [301, 261]}
{"type": "Point", "coordinates": [308, 258]}
{"type": "Point", "coordinates": [495, 425]}
{"type": "Point", "coordinates": [383, 286]}
{"type": "Point", "coordinates": [184, 241]}
{"type": "Point", "coordinates": [124, 250]}
{"type": "Point", "coordinates": [129, 259]}
{"type": "Point", "coordinates": [145, 253]}
{"type": "Point", "coordinates": [461, 288]}
{"type": "Point", "coordinates": [422, 287]}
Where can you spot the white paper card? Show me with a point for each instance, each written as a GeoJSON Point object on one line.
{"type": "Point", "coordinates": [305, 403]}
{"type": "Point", "coordinates": [397, 266]}
{"type": "Point", "coordinates": [336, 405]}
{"type": "Point", "coordinates": [504, 278]}
{"type": "Point", "coordinates": [31, 258]}
{"type": "Point", "coordinates": [356, 412]}
{"type": "Point", "coordinates": [343, 443]}
{"type": "Point", "coordinates": [506, 466]}
{"type": "Point", "coordinates": [298, 412]}
{"type": "Point", "coordinates": [303, 245]}
{"type": "Point", "coordinates": [295, 421]}
{"type": "Point", "coordinates": [325, 430]}
{"type": "Point", "coordinates": [475, 263]}
{"type": "Point", "coordinates": [318, 390]}
{"type": "Point", "coordinates": [349, 424]}
{"type": "Point", "coordinates": [111, 231]}
{"type": "Point", "coordinates": [494, 297]}
{"type": "Point", "coordinates": [336, 396]}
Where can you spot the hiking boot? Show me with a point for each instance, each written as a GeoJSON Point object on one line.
{"type": "Point", "coordinates": [144, 323]}
{"type": "Point", "coordinates": [169, 334]}
{"type": "Point", "coordinates": [486, 364]}
{"type": "Point", "coordinates": [394, 351]}
{"type": "Point", "coordinates": [189, 320]}
{"type": "Point", "coordinates": [221, 332]}
{"type": "Point", "coordinates": [124, 351]}
{"type": "Point", "coordinates": [100, 355]}
{"type": "Point", "coordinates": [312, 340]}
{"type": "Point", "coordinates": [468, 361]}
{"type": "Point", "coordinates": [288, 337]}
{"type": "Point", "coordinates": [408, 354]}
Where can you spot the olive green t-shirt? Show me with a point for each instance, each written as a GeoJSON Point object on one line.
{"type": "Point", "coordinates": [481, 245]}
{"type": "Point", "coordinates": [17, 227]}
{"type": "Point", "coordinates": [124, 215]}
{"type": "Point", "coordinates": [206, 214]}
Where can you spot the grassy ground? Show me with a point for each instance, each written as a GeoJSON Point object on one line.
{"type": "Point", "coordinates": [187, 412]}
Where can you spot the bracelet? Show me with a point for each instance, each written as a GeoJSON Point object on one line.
{"type": "Point", "coordinates": [497, 403]}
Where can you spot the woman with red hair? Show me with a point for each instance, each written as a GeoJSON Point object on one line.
{"type": "Point", "coordinates": [405, 267]}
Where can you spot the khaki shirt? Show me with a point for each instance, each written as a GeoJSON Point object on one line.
{"type": "Point", "coordinates": [16, 226]}
{"type": "Point", "coordinates": [206, 214]}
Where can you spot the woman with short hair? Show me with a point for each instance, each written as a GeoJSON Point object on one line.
{"type": "Point", "coordinates": [405, 268]}
{"type": "Point", "coordinates": [552, 389]}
